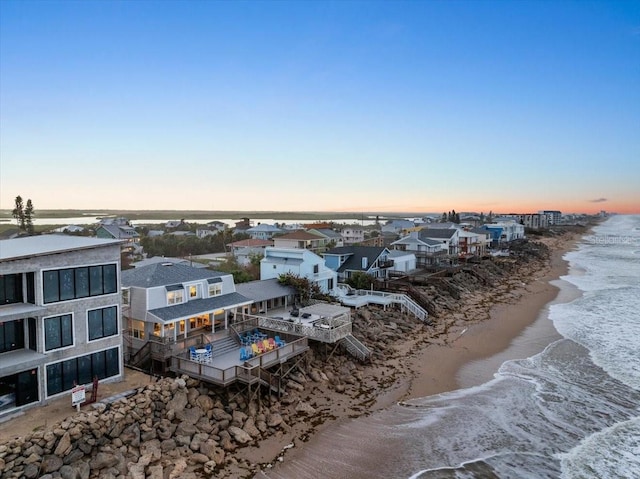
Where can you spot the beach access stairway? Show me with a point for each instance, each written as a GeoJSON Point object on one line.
{"type": "Point", "coordinates": [360, 297]}
{"type": "Point", "coordinates": [354, 347]}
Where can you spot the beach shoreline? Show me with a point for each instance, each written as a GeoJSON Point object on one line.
{"type": "Point", "coordinates": [468, 354]}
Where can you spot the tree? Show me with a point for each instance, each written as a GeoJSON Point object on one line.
{"type": "Point", "coordinates": [444, 218]}
{"type": "Point", "coordinates": [360, 280]}
{"type": "Point", "coordinates": [24, 215]}
{"type": "Point", "coordinates": [18, 212]}
{"type": "Point", "coordinates": [305, 289]}
{"type": "Point", "coordinates": [29, 213]}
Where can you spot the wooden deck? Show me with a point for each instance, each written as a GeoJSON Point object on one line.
{"type": "Point", "coordinates": [228, 368]}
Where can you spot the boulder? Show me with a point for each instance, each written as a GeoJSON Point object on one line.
{"type": "Point", "coordinates": [50, 463]}
{"type": "Point", "coordinates": [239, 435]}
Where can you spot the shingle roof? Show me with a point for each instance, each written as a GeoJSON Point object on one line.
{"type": "Point", "coordinates": [300, 235]}
{"type": "Point", "coordinates": [329, 233]}
{"type": "Point", "coordinates": [199, 306]}
{"type": "Point", "coordinates": [161, 274]}
{"type": "Point", "coordinates": [436, 233]}
{"type": "Point", "coordinates": [264, 290]}
{"type": "Point", "coordinates": [251, 243]}
{"type": "Point", "coordinates": [354, 262]}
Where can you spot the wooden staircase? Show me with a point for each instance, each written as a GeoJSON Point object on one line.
{"type": "Point", "coordinates": [355, 348]}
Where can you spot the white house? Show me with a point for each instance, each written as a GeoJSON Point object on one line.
{"type": "Point", "coordinates": [263, 231]}
{"type": "Point", "coordinates": [166, 302]}
{"type": "Point", "coordinates": [244, 250]}
{"type": "Point", "coordinates": [352, 235]}
{"type": "Point", "coordinates": [427, 251]}
{"type": "Point", "coordinates": [403, 261]}
{"type": "Point", "coordinates": [301, 262]}
{"type": "Point", "coordinates": [449, 238]}
{"type": "Point", "coordinates": [301, 240]}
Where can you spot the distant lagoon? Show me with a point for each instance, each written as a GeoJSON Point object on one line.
{"type": "Point", "coordinates": [89, 220]}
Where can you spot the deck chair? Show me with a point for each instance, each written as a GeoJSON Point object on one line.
{"type": "Point", "coordinates": [266, 346]}
{"type": "Point", "coordinates": [255, 349]}
{"type": "Point", "coordinates": [279, 342]}
{"type": "Point", "coordinates": [192, 354]}
{"type": "Point", "coordinates": [272, 343]}
{"type": "Point", "coordinates": [243, 354]}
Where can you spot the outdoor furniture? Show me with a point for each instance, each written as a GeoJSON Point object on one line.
{"type": "Point", "coordinates": [272, 343]}
{"type": "Point", "coordinates": [193, 355]}
{"type": "Point", "coordinates": [279, 342]}
{"type": "Point", "coordinates": [203, 355]}
{"type": "Point", "coordinates": [255, 349]}
{"type": "Point", "coordinates": [266, 346]}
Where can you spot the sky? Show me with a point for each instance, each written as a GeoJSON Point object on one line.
{"type": "Point", "coordinates": [419, 106]}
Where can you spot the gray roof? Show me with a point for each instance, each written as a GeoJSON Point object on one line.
{"type": "Point", "coordinates": [444, 233]}
{"type": "Point", "coordinates": [162, 259]}
{"type": "Point", "coordinates": [329, 233]}
{"type": "Point", "coordinates": [40, 245]}
{"type": "Point", "coordinates": [199, 306]}
{"type": "Point", "coordinates": [120, 232]}
{"type": "Point", "coordinates": [162, 274]}
{"type": "Point", "coordinates": [264, 290]}
{"type": "Point", "coordinates": [356, 253]}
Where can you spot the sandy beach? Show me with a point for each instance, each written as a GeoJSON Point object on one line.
{"type": "Point", "coordinates": [486, 329]}
{"type": "Point", "coordinates": [463, 348]}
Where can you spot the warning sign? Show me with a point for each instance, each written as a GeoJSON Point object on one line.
{"type": "Point", "coordinates": [77, 395]}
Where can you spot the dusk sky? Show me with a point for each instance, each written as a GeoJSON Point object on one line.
{"type": "Point", "coordinates": [420, 106]}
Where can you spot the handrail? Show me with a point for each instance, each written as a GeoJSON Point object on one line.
{"type": "Point", "coordinates": [244, 372]}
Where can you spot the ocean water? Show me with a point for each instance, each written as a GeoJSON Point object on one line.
{"type": "Point", "coordinates": [571, 411]}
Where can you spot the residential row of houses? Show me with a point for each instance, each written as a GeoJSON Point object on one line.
{"type": "Point", "coordinates": [65, 305]}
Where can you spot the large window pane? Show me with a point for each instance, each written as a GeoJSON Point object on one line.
{"type": "Point", "coordinates": [112, 362]}
{"type": "Point", "coordinates": [110, 280]}
{"type": "Point", "coordinates": [99, 365]}
{"type": "Point", "coordinates": [95, 324]}
{"type": "Point", "coordinates": [67, 284]}
{"type": "Point", "coordinates": [69, 374]}
{"type": "Point", "coordinates": [82, 282]}
{"type": "Point", "coordinates": [52, 333]}
{"type": "Point", "coordinates": [84, 370]}
{"type": "Point", "coordinates": [95, 280]}
{"type": "Point", "coordinates": [50, 280]}
{"type": "Point", "coordinates": [54, 379]}
{"type": "Point", "coordinates": [110, 321]}
{"type": "Point", "coordinates": [67, 330]}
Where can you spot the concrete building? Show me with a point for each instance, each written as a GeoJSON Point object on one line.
{"type": "Point", "coordinates": [60, 316]}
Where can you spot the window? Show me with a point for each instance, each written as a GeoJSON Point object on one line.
{"type": "Point", "coordinates": [11, 335]}
{"type": "Point", "coordinates": [126, 300]}
{"type": "Point", "coordinates": [74, 283]}
{"type": "Point", "coordinates": [316, 268]}
{"type": "Point", "coordinates": [215, 289]}
{"type": "Point", "coordinates": [193, 291]}
{"type": "Point", "coordinates": [64, 375]}
{"type": "Point", "coordinates": [102, 322]}
{"type": "Point", "coordinates": [137, 329]}
{"type": "Point", "coordinates": [175, 297]}
{"type": "Point", "coordinates": [58, 332]}
{"type": "Point", "coordinates": [10, 288]}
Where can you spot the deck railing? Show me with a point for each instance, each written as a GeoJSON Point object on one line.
{"type": "Point", "coordinates": [247, 372]}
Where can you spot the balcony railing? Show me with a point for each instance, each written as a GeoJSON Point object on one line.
{"type": "Point", "coordinates": [247, 373]}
